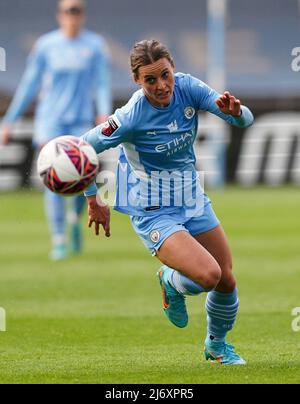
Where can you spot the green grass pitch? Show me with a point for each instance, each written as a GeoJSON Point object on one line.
{"type": "Point", "coordinates": [97, 318]}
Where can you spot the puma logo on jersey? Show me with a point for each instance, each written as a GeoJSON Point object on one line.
{"type": "Point", "coordinates": [173, 127]}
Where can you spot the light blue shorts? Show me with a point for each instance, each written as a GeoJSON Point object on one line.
{"type": "Point", "coordinates": [154, 230]}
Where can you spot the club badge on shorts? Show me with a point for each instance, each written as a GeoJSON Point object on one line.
{"type": "Point", "coordinates": [155, 236]}
{"type": "Point", "coordinates": [189, 112]}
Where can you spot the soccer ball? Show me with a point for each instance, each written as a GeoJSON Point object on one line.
{"type": "Point", "coordinates": [67, 165]}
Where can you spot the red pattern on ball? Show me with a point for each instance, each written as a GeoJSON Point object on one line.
{"type": "Point", "coordinates": [81, 162]}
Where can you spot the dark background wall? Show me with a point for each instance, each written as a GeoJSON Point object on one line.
{"type": "Point", "coordinates": [260, 38]}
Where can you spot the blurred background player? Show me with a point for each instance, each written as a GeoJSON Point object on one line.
{"type": "Point", "coordinates": [69, 69]}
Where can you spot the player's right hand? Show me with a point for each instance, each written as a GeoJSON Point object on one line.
{"type": "Point", "coordinates": [99, 214]}
{"type": "Point", "coordinates": [5, 134]}
{"type": "Point", "coordinates": [229, 105]}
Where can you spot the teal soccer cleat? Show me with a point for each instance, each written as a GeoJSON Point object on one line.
{"type": "Point", "coordinates": [173, 302]}
{"type": "Point", "coordinates": [222, 353]}
{"type": "Point", "coordinates": [59, 253]}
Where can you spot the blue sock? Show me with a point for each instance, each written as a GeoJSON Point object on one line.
{"type": "Point", "coordinates": [78, 204]}
{"type": "Point", "coordinates": [183, 284]}
{"type": "Point", "coordinates": [221, 310]}
{"type": "Point", "coordinates": [55, 211]}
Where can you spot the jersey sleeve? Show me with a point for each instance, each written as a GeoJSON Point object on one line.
{"type": "Point", "coordinates": [205, 100]}
{"type": "Point", "coordinates": [29, 85]}
{"type": "Point", "coordinates": [117, 130]}
{"type": "Point", "coordinates": [109, 134]}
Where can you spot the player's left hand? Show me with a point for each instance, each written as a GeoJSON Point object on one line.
{"type": "Point", "coordinates": [5, 136]}
{"type": "Point", "coordinates": [229, 105]}
{"type": "Point", "coordinates": [99, 214]}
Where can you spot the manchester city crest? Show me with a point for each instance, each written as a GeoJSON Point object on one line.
{"type": "Point", "coordinates": [155, 236]}
{"type": "Point", "coordinates": [189, 112]}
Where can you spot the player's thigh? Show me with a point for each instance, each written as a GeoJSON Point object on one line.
{"type": "Point", "coordinates": [182, 252]}
{"type": "Point", "coordinates": [216, 243]}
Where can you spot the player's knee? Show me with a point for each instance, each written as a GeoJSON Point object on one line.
{"type": "Point", "coordinates": [231, 284]}
{"type": "Point", "coordinates": [228, 283]}
{"type": "Point", "coordinates": [211, 277]}
{"type": "Point", "coordinates": [211, 282]}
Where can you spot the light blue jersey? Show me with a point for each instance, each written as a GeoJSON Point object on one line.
{"type": "Point", "coordinates": [70, 74]}
{"type": "Point", "coordinates": [157, 143]}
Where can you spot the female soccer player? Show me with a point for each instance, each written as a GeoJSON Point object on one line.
{"type": "Point", "coordinates": [156, 130]}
